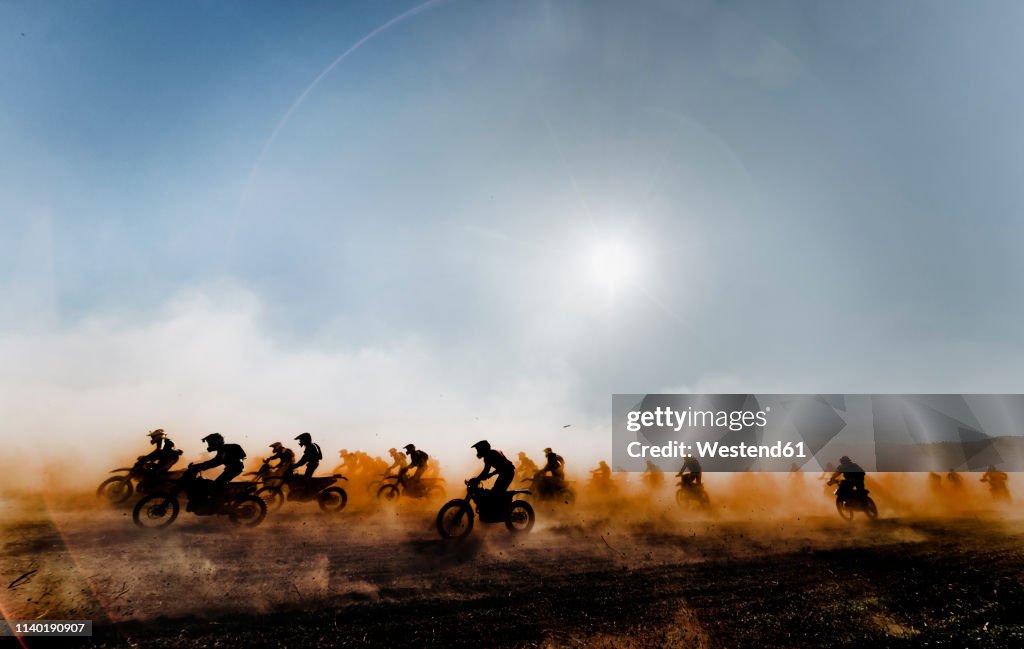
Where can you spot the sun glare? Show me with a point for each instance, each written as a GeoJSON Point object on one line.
{"type": "Point", "coordinates": [611, 264]}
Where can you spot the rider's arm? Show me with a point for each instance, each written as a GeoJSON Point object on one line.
{"type": "Point", "coordinates": [217, 460]}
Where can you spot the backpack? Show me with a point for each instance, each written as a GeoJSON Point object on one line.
{"type": "Point", "coordinates": [319, 453]}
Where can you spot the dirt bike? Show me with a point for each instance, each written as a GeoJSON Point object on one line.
{"type": "Point", "coordinates": [692, 495]}
{"type": "Point", "coordinates": [549, 488]}
{"type": "Point", "coordinates": [237, 501]}
{"type": "Point", "coordinates": [276, 489]}
{"type": "Point", "coordinates": [119, 489]}
{"type": "Point", "coordinates": [853, 500]}
{"type": "Point", "coordinates": [455, 519]}
{"type": "Point", "coordinates": [397, 485]}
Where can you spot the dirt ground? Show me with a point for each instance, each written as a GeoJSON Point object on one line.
{"type": "Point", "coordinates": [628, 573]}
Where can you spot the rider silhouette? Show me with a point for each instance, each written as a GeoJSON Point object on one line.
{"type": "Point", "coordinates": [417, 463]}
{"type": "Point", "coordinates": [555, 466]}
{"type": "Point", "coordinates": [398, 460]}
{"type": "Point", "coordinates": [997, 483]}
{"type": "Point", "coordinates": [495, 463]}
{"type": "Point", "coordinates": [853, 478]}
{"type": "Point", "coordinates": [161, 458]}
{"type": "Point", "coordinates": [695, 475]}
{"type": "Point", "coordinates": [311, 455]}
{"type": "Point", "coordinates": [229, 456]}
{"type": "Point", "coordinates": [284, 456]}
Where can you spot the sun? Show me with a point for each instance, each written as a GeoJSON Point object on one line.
{"type": "Point", "coordinates": [611, 263]}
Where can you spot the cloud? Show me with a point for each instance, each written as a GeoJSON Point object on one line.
{"type": "Point", "coordinates": [205, 362]}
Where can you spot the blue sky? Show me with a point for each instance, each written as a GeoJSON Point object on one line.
{"type": "Point", "coordinates": [814, 197]}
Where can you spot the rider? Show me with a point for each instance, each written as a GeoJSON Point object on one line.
{"type": "Point", "coordinates": [495, 463]}
{"type": "Point", "coordinates": [695, 475]}
{"type": "Point", "coordinates": [398, 461]}
{"type": "Point", "coordinates": [526, 466]}
{"type": "Point", "coordinates": [311, 455]}
{"type": "Point", "coordinates": [955, 479]}
{"type": "Point", "coordinates": [853, 478]}
{"type": "Point", "coordinates": [284, 456]}
{"type": "Point", "coordinates": [554, 466]}
{"type": "Point", "coordinates": [229, 456]}
{"type": "Point", "coordinates": [653, 477]}
{"type": "Point", "coordinates": [996, 483]}
{"type": "Point", "coordinates": [162, 458]}
{"type": "Point", "coordinates": [417, 463]}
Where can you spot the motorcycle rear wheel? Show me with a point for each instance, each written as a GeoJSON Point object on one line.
{"type": "Point", "coordinates": [388, 492]}
{"type": "Point", "coordinates": [249, 511]}
{"type": "Point", "coordinates": [455, 520]}
{"type": "Point", "coordinates": [520, 517]}
{"type": "Point", "coordinates": [332, 499]}
{"type": "Point", "coordinates": [156, 511]}
{"type": "Point", "coordinates": [115, 490]}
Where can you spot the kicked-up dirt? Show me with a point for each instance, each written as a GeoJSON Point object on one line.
{"type": "Point", "coordinates": [612, 576]}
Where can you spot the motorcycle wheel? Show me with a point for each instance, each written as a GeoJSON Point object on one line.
{"type": "Point", "coordinates": [844, 510]}
{"type": "Point", "coordinates": [155, 511]}
{"type": "Point", "coordinates": [870, 509]}
{"type": "Point", "coordinates": [388, 492]}
{"type": "Point", "coordinates": [272, 497]}
{"type": "Point", "coordinates": [115, 490]}
{"type": "Point", "coordinates": [435, 493]}
{"type": "Point", "coordinates": [567, 496]}
{"type": "Point", "coordinates": [249, 511]}
{"type": "Point", "coordinates": [520, 517]}
{"type": "Point", "coordinates": [332, 499]}
{"type": "Point", "coordinates": [455, 520]}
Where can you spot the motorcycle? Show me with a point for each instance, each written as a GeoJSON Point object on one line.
{"type": "Point", "coordinates": [276, 489]}
{"type": "Point", "coordinates": [118, 489]}
{"type": "Point", "coordinates": [692, 495]}
{"type": "Point", "coordinates": [398, 485]}
{"type": "Point", "coordinates": [237, 501]}
{"type": "Point", "coordinates": [548, 488]}
{"type": "Point", "coordinates": [849, 501]}
{"type": "Point", "coordinates": [455, 519]}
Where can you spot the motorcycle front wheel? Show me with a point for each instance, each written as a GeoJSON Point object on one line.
{"type": "Point", "coordinates": [249, 511]}
{"type": "Point", "coordinates": [155, 511]}
{"type": "Point", "coordinates": [520, 517]}
{"type": "Point", "coordinates": [273, 497]}
{"type": "Point", "coordinates": [332, 499]}
{"type": "Point", "coordinates": [844, 510]}
{"type": "Point", "coordinates": [455, 520]}
{"type": "Point", "coordinates": [870, 509]}
{"type": "Point", "coordinates": [115, 490]}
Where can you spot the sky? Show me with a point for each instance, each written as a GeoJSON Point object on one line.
{"type": "Point", "coordinates": [386, 222]}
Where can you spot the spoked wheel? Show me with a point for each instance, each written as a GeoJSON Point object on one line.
{"type": "Point", "coordinates": [249, 511]}
{"type": "Point", "coordinates": [388, 492]}
{"type": "Point", "coordinates": [520, 517]}
{"type": "Point", "coordinates": [115, 490]}
{"type": "Point", "coordinates": [155, 510]}
{"type": "Point", "coordinates": [455, 520]}
{"type": "Point", "coordinates": [845, 511]}
{"type": "Point", "coordinates": [272, 497]}
{"type": "Point", "coordinates": [870, 509]}
{"type": "Point", "coordinates": [332, 499]}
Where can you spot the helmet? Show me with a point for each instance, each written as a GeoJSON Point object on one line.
{"type": "Point", "coordinates": [159, 432]}
{"type": "Point", "coordinates": [213, 441]}
{"type": "Point", "coordinates": [276, 445]}
{"type": "Point", "coordinates": [392, 450]}
{"type": "Point", "coordinates": [845, 459]}
{"type": "Point", "coordinates": [548, 450]}
{"type": "Point", "coordinates": [409, 447]}
{"type": "Point", "coordinates": [481, 447]}
{"type": "Point", "coordinates": [304, 438]}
